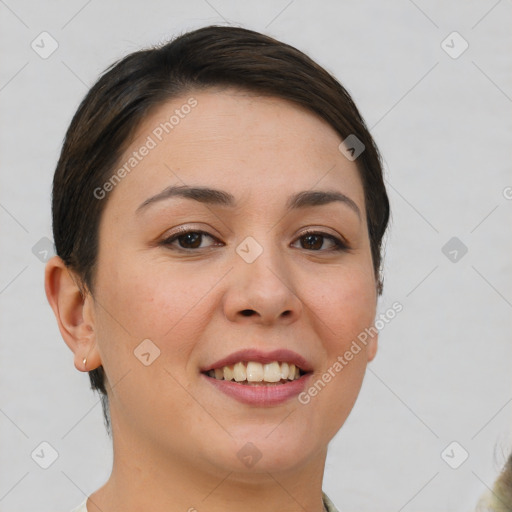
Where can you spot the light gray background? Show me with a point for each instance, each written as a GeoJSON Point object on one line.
{"type": "Point", "coordinates": [443, 124]}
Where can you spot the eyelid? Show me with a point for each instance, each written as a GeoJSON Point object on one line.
{"type": "Point", "coordinates": [183, 230]}
{"type": "Point", "coordinates": [322, 231]}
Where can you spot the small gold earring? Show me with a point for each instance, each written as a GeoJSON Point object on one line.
{"type": "Point", "coordinates": [85, 363]}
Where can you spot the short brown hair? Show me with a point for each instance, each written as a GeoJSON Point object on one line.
{"type": "Point", "coordinates": [130, 88]}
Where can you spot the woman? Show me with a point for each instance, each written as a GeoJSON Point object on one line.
{"type": "Point", "coordinates": [218, 213]}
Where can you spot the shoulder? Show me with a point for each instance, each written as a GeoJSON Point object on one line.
{"type": "Point", "coordinates": [329, 505]}
{"type": "Point", "coordinates": [82, 507]}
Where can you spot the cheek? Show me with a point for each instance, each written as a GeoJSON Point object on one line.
{"type": "Point", "coordinates": [141, 302]}
{"type": "Point", "coordinates": [345, 300]}
{"type": "Point", "coordinates": [344, 307]}
{"type": "Point", "coordinates": [147, 300]}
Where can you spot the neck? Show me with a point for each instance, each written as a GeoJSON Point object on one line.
{"type": "Point", "coordinates": [147, 477]}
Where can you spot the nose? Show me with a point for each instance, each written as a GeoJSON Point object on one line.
{"type": "Point", "coordinates": [262, 290]}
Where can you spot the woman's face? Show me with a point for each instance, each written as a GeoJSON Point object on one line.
{"type": "Point", "coordinates": [164, 311]}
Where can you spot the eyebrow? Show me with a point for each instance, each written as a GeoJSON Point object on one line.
{"type": "Point", "coordinates": [206, 195]}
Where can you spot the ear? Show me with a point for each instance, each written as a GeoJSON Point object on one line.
{"type": "Point", "coordinates": [372, 345]}
{"type": "Point", "coordinates": [74, 313]}
{"type": "Point", "coordinates": [371, 348]}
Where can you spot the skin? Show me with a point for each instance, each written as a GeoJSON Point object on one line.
{"type": "Point", "coordinates": [175, 437]}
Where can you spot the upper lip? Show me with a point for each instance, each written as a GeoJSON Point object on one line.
{"type": "Point", "coordinates": [280, 355]}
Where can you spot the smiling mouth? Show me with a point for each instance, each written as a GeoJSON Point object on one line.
{"type": "Point", "coordinates": [253, 373]}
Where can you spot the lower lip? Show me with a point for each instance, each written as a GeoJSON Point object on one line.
{"type": "Point", "coordinates": [260, 395]}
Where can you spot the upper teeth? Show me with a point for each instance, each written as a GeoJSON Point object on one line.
{"type": "Point", "coordinates": [257, 372]}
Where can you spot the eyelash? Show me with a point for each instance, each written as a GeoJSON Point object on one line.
{"type": "Point", "coordinates": [339, 245]}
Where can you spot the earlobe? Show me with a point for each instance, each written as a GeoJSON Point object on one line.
{"type": "Point", "coordinates": [73, 313]}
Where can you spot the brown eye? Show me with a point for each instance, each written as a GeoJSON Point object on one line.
{"type": "Point", "coordinates": [187, 240]}
{"type": "Point", "coordinates": [311, 241]}
{"type": "Point", "coordinates": [314, 240]}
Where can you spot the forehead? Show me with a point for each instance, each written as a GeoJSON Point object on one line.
{"type": "Point", "coordinates": [253, 146]}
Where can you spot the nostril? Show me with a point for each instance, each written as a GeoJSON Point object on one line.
{"type": "Point", "coordinates": [247, 312]}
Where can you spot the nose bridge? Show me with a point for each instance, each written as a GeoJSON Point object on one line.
{"type": "Point", "coordinates": [263, 283]}
{"type": "Point", "coordinates": [261, 257]}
